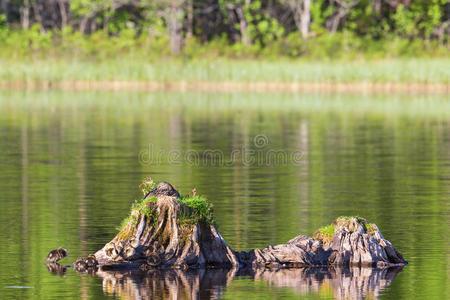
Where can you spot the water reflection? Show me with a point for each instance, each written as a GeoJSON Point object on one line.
{"type": "Point", "coordinates": [341, 283]}
{"type": "Point", "coordinates": [345, 283]}
{"type": "Point", "coordinates": [56, 269]}
{"type": "Point", "coordinates": [167, 284]}
{"type": "Point", "coordinates": [70, 166]}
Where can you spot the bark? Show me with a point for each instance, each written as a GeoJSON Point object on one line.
{"type": "Point", "coordinates": [83, 23]}
{"type": "Point", "coordinates": [190, 19]}
{"type": "Point", "coordinates": [175, 15]}
{"type": "Point", "coordinates": [301, 10]}
{"type": "Point", "coordinates": [243, 25]}
{"type": "Point", "coordinates": [37, 14]}
{"type": "Point", "coordinates": [63, 13]}
{"type": "Point", "coordinates": [354, 245]}
{"type": "Point", "coordinates": [305, 18]}
{"type": "Point", "coordinates": [343, 8]}
{"type": "Point", "coordinates": [25, 15]}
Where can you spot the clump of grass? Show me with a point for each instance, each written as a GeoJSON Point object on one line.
{"type": "Point", "coordinates": [148, 210]}
{"type": "Point", "coordinates": [137, 206]}
{"type": "Point", "coordinates": [125, 222]}
{"type": "Point", "coordinates": [147, 185]}
{"type": "Point", "coordinates": [325, 234]}
{"type": "Point", "coordinates": [142, 204]}
{"type": "Point", "coordinates": [201, 210]}
{"type": "Point", "coordinates": [358, 218]}
{"type": "Point", "coordinates": [370, 228]}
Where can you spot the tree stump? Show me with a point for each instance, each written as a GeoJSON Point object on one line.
{"type": "Point", "coordinates": [157, 236]}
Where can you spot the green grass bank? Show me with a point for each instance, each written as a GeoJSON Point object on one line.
{"type": "Point", "coordinates": [422, 71]}
{"type": "Point", "coordinates": [66, 58]}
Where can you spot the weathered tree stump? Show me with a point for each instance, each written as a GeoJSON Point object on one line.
{"type": "Point", "coordinates": [357, 242]}
{"type": "Point", "coordinates": [164, 232]}
{"type": "Point", "coordinates": [158, 235]}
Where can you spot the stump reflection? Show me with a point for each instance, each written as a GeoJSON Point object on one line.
{"type": "Point", "coordinates": [343, 283]}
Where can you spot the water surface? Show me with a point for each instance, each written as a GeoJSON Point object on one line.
{"type": "Point", "coordinates": [274, 166]}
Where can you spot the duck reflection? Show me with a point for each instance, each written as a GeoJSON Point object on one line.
{"type": "Point", "coordinates": [56, 269]}
{"type": "Point", "coordinates": [342, 283]}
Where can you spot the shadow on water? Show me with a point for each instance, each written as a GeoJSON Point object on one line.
{"type": "Point", "coordinates": [341, 283]}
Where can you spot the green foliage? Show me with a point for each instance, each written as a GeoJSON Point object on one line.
{"type": "Point", "coordinates": [358, 218]}
{"type": "Point", "coordinates": [201, 210]}
{"type": "Point", "coordinates": [2, 20]}
{"type": "Point", "coordinates": [128, 220]}
{"type": "Point", "coordinates": [116, 27]}
{"type": "Point", "coordinates": [327, 230]}
{"type": "Point", "coordinates": [262, 28]}
{"type": "Point", "coordinates": [69, 45]}
{"type": "Point", "coordinates": [147, 185]}
{"type": "Point", "coordinates": [370, 228]}
{"type": "Point", "coordinates": [325, 234]}
{"type": "Point", "coordinates": [138, 205]}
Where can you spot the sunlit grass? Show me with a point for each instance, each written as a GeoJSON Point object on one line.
{"type": "Point", "coordinates": [202, 210]}
{"type": "Point", "coordinates": [424, 70]}
{"type": "Point", "coordinates": [325, 234]}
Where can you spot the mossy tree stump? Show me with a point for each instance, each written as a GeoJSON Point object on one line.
{"type": "Point", "coordinates": [161, 234]}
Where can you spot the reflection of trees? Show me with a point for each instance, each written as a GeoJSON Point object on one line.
{"type": "Point", "coordinates": [24, 184]}
{"type": "Point", "coordinates": [354, 283]}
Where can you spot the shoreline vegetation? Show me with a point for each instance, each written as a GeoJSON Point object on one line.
{"type": "Point", "coordinates": [354, 87]}
{"type": "Point", "coordinates": [406, 75]}
{"type": "Point", "coordinates": [217, 45]}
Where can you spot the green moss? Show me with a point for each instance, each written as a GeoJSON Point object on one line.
{"type": "Point", "coordinates": [370, 228]}
{"type": "Point", "coordinates": [128, 226]}
{"type": "Point", "coordinates": [130, 220]}
{"type": "Point", "coordinates": [325, 234]}
{"type": "Point", "coordinates": [358, 218]}
{"type": "Point", "coordinates": [138, 206]}
{"type": "Point", "coordinates": [201, 210]}
{"type": "Point", "coordinates": [125, 234]}
{"type": "Point", "coordinates": [142, 204]}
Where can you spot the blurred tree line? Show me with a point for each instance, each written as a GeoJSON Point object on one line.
{"type": "Point", "coordinates": [242, 22]}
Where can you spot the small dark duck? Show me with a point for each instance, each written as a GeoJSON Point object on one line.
{"type": "Point", "coordinates": [163, 189]}
{"type": "Point", "coordinates": [55, 255]}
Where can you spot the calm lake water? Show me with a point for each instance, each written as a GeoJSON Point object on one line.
{"type": "Point", "coordinates": [273, 165]}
